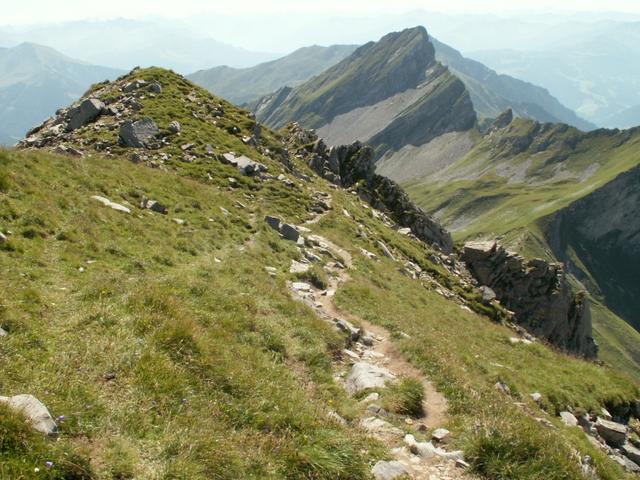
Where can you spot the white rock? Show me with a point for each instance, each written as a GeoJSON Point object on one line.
{"type": "Point", "coordinates": [34, 411]}
{"type": "Point", "coordinates": [569, 419]}
{"type": "Point", "coordinates": [388, 470]}
{"type": "Point", "coordinates": [297, 267]}
{"type": "Point", "coordinates": [441, 435]}
{"type": "Point", "coordinates": [108, 203]}
{"type": "Point", "coordinates": [364, 375]}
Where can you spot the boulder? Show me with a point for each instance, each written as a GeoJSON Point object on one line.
{"type": "Point", "coordinates": [290, 232]}
{"type": "Point", "coordinates": [154, 206]}
{"type": "Point", "coordinates": [174, 127]}
{"type": "Point", "coordinates": [569, 419]}
{"type": "Point", "coordinates": [388, 470]}
{"type": "Point", "coordinates": [488, 295]}
{"type": "Point", "coordinates": [441, 435]}
{"type": "Point", "coordinates": [536, 397]}
{"type": "Point", "coordinates": [364, 375]}
{"type": "Point", "coordinates": [132, 86]}
{"type": "Point", "coordinates": [273, 222]}
{"type": "Point", "coordinates": [631, 452]}
{"type": "Point", "coordinates": [155, 88]}
{"type": "Point", "coordinates": [138, 134]}
{"type": "Point", "coordinates": [297, 267]}
{"type": "Point", "coordinates": [34, 411]}
{"type": "Point", "coordinates": [87, 112]}
{"type": "Point", "coordinates": [615, 434]}
{"type": "Point", "coordinates": [626, 463]}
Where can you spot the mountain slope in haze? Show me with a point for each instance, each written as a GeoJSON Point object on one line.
{"type": "Point", "coordinates": [165, 277]}
{"type": "Point", "coordinates": [492, 94]}
{"type": "Point", "coordinates": [388, 94]}
{"type": "Point", "coordinates": [35, 81]}
{"type": "Point", "coordinates": [249, 84]}
{"type": "Point", "coordinates": [529, 183]}
{"type": "Point", "coordinates": [126, 43]}
{"type": "Point", "coordinates": [595, 74]}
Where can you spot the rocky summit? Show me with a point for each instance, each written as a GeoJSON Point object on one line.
{"type": "Point", "coordinates": [187, 293]}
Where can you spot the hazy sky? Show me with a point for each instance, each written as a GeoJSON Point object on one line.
{"type": "Point", "coordinates": [36, 11]}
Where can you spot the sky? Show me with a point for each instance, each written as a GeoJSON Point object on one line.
{"type": "Point", "coordinates": [41, 11]}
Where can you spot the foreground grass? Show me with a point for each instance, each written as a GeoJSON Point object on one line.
{"type": "Point", "coordinates": [212, 361]}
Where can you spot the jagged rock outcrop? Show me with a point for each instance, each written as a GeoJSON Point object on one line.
{"type": "Point", "coordinates": [354, 166]}
{"type": "Point", "coordinates": [538, 293]}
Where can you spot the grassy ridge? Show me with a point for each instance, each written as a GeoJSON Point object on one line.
{"type": "Point", "coordinates": [218, 372]}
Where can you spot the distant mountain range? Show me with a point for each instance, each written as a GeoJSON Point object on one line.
{"type": "Point", "coordinates": [35, 81]}
{"type": "Point", "coordinates": [596, 72]}
{"type": "Point", "coordinates": [490, 93]}
{"type": "Point", "coordinates": [123, 43]}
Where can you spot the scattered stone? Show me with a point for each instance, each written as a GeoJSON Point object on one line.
{"type": "Point", "coordinates": [138, 134]}
{"type": "Point", "coordinates": [388, 470]}
{"type": "Point", "coordinates": [368, 254]}
{"type": "Point", "coordinates": [404, 231]}
{"type": "Point", "coordinates": [380, 427]}
{"type": "Point", "coordinates": [301, 286]}
{"type": "Point", "coordinates": [87, 112]}
{"type": "Point", "coordinates": [154, 206]}
{"type": "Point", "coordinates": [290, 232]}
{"type": "Point", "coordinates": [135, 85]}
{"type": "Point", "coordinates": [372, 397]}
{"type": "Point", "coordinates": [3, 237]}
{"type": "Point", "coordinates": [503, 388]}
{"type": "Point", "coordinates": [174, 127]}
{"type": "Point", "coordinates": [179, 221]}
{"type": "Point", "coordinates": [156, 88]}
{"type": "Point", "coordinates": [615, 434]}
{"type": "Point", "coordinates": [604, 413]}
{"type": "Point", "coordinates": [367, 340]}
{"type": "Point", "coordinates": [569, 419]}
{"type": "Point", "coordinates": [517, 340]}
{"type": "Point", "coordinates": [331, 415]}
{"type": "Point", "coordinates": [271, 271]}
{"type": "Point", "coordinates": [488, 295]}
{"type": "Point", "coordinates": [297, 267]}
{"type": "Point", "coordinates": [364, 375]}
{"type": "Point", "coordinates": [3, 332]}
{"type": "Point", "coordinates": [110, 376]}
{"type": "Point", "coordinates": [441, 435]}
{"type": "Point", "coordinates": [626, 463]}
{"type": "Point", "coordinates": [385, 250]}
{"type": "Point", "coordinates": [108, 203]}
{"type": "Point", "coordinates": [631, 452]}
{"type": "Point", "coordinates": [343, 325]}
{"type": "Point", "coordinates": [376, 409]}
{"type": "Point", "coordinates": [34, 411]}
{"type": "Point", "coordinates": [462, 464]}
{"type": "Point", "coordinates": [536, 397]}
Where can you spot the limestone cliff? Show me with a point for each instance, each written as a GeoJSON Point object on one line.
{"type": "Point", "coordinates": [538, 293]}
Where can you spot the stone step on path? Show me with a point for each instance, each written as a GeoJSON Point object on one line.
{"type": "Point", "coordinates": [372, 354]}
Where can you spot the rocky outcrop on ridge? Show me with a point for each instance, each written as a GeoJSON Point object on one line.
{"type": "Point", "coordinates": [538, 293]}
{"type": "Point", "coordinates": [354, 166]}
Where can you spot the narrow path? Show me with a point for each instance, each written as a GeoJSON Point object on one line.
{"type": "Point", "coordinates": [421, 461]}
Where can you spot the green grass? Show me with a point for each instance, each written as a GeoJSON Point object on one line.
{"type": "Point", "coordinates": [404, 397]}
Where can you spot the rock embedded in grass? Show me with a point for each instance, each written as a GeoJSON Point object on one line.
{"type": "Point", "coordinates": [364, 376]}
{"type": "Point", "coordinates": [138, 134]}
{"type": "Point", "coordinates": [389, 470]}
{"type": "Point", "coordinates": [34, 411]}
{"type": "Point", "coordinates": [615, 434]}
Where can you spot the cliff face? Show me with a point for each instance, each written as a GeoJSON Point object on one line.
{"type": "Point", "coordinates": [538, 293]}
{"type": "Point", "coordinates": [598, 237]}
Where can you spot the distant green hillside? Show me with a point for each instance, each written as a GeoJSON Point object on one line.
{"type": "Point", "coordinates": [244, 85]}
{"type": "Point", "coordinates": [35, 81]}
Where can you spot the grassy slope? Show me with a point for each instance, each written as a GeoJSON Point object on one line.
{"type": "Point", "coordinates": [219, 373]}
{"type": "Point", "coordinates": [492, 205]}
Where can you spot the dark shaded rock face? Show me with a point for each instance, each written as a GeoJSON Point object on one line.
{"type": "Point", "coordinates": [538, 293]}
{"type": "Point", "coordinates": [354, 166]}
{"type": "Point", "coordinates": [603, 232]}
